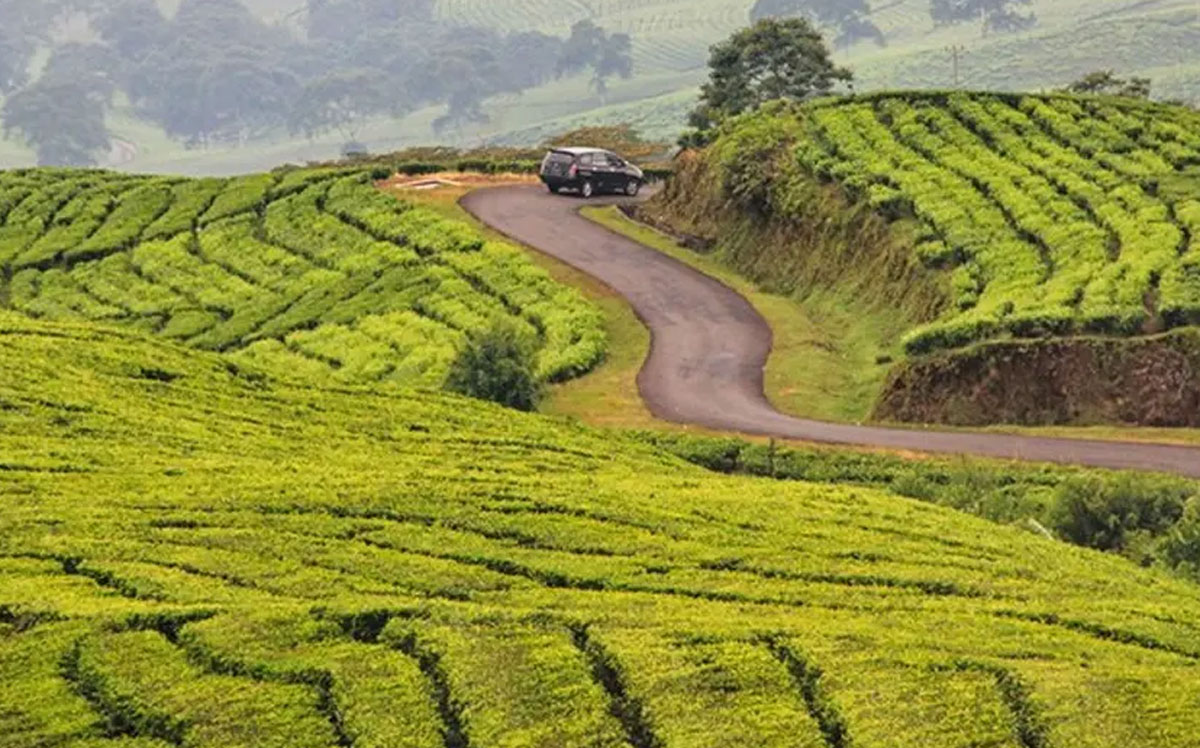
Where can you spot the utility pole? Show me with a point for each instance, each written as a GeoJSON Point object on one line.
{"type": "Point", "coordinates": [956, 51]}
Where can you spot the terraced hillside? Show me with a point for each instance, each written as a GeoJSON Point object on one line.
{"type": "Point", "coordinates": [1053, 215]}
{"type": "Point", "coordinates": [291, 565]}
{"type": "Point", "coordinates": [310, 272]}
{"type": "Point", "coordinates": [1024, 217]}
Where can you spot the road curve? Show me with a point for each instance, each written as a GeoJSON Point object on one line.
{"type": "Point", "coordinates": [709, 346]}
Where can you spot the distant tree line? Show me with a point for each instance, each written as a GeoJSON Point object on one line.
{"type": "Point", "coordinates": [216, 73]}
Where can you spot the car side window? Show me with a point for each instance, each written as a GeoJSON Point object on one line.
{"type": "Point", "coordinates": [615, 161]}
{"type": "Point", "coordinates": [586, 159]}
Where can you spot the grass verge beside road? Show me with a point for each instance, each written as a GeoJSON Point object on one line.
{"type": "Point", "coordinates": [823, 361]}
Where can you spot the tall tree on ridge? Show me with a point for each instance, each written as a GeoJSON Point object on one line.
{"type": "Point", "coordinates": [773, 59]}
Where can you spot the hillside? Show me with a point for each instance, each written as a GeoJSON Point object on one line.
{"type": "Point", "coordinates": [313, 273]}
{"type": "Point", "coordinates": [1011, 221]}
{"type": "Point", "coordinates": [1155, 38]}
{"type": "Point", "coordinates": [443, 572]}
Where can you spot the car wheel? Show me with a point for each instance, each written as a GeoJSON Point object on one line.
{"type": "Point", "coordinates": [633, 188]}
{"type": "Point", "coordinates": [587, 190]}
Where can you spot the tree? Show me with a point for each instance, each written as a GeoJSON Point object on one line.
{"type": "Point", "coordinates": [994, 15]}
{"type": "Point", "coordinates": [24, 26]}
{"type": "Point", "coordinates": [846, 18]}
{"type": "Point", "coordinates": [15, 54]}
{"type": "Point", "coordinates": [615, 57]}
{"type": "Point", "coordinates": [464, 76]}
{"type": "Point", "coordinates": [134, 28]}
{"type": "Point", "coordinates": [529, 59]}
{"type": "Point", "coordinates": [1106, 82]}
{"type": "Point", "coordinates": [62, 114]}
{"type": "Point", "coordinates": [773, 59]}
{"type": "Point", "coordinates": [215, 73]}
{"type": "Point", "coordinates": [1180, 548]}
{"type": "Point", "coordinates": [401, 54]}
{"type": "Point", "coordinates": [1109, 514]}
{"type": "Point", "coordinates": [339, 101]}
{"type": "Point", "coordinates": [589, 46]}
{"type": "Point", "coordinates": [497, 365]}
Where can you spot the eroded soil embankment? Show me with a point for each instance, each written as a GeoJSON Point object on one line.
{"type": "Point", "coordinates": [1151, 381]}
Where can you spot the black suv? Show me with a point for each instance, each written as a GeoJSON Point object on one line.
{"type": "Point", "coordinates": [591, 171]}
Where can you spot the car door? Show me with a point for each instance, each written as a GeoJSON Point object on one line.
{"type": "Point", "coordinates": [614, 175]}
{"type": "Point", "coordinates": [589, 170]}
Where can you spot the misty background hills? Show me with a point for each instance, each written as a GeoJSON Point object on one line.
{"type": "Point", "coordinates": [233, 86]}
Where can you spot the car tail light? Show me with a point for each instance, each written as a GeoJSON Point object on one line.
{"type": "Point", "coordinates": [573, 170]}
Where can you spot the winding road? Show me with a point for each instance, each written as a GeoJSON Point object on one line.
{"type": "Point", "coordinates": [709, 346]}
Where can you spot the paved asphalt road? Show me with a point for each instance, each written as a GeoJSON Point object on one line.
{"type": "Point", "coordinates": [709, 346]}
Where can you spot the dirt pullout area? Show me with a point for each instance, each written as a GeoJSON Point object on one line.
{"type": "Point", "coordinates": [1152, 381]}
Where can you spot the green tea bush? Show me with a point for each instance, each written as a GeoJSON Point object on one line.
{"type": "Point", "coordinates": [1180, 546]}
{"type": "Point", "coordinates": [1150, 518]}
{"type": "Point", "coordinates": [1106, 513]}
{"type": "Point", "coordinates": [1049, 215]}
{"type": "Point", "coordinates": [497, 364]}
{"type": "Point", "coordinates": [198, 553]}
{"type": "Point", "coordinates": [309, 271]}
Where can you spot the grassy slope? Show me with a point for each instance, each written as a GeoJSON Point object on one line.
{"type": "Point", "coordinates": [671, 39]}
{"type": "Point", "coordinates": [440, 565]}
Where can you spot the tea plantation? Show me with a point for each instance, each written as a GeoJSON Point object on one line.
{"type": "Point", "coordinates": [310, 272]}
{"type": "Point", "coordinates": [1046, 215]}
{"type": "Point", "coordinates": [194, 552]}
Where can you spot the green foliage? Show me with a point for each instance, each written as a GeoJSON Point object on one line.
{"type": "Point", "coordinates": [773, 59]}
{"type": "Point", "coordinates": [497, 364]}
{"type": "Point", "coordinates": [1180, 549]}
{"type": "Point", "coordinates": [195, 552]}
{"type": "Point", "coordinates": [62, 115]}
{"type": "Point", "coordinates": [341, 100]}
{"type": "Point", "coordinates": [1107, 82]}
{"type": "Point", "coordinates": [1045, 215]}
{"type": "Point", "coordinates": [311, 272]}
{"type": "Point", "coordinates": [1107, 514]}
{"type": "Point", "coordinates": [1149, 518]}
{"type": "Point", "coordinates": [622, 138]}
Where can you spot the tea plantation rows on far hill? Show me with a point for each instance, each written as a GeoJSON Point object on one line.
{"type": "Point", "coordinates": [1050, 215]}
{"type": "Point", "coordinates": [310, 272]}
{"type": "Point", "coordinates": [297, 564]}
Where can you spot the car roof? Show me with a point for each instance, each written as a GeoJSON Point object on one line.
{"type": "Point", "coordinates": [578, 151]}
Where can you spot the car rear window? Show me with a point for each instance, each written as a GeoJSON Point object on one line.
{"type": "Point", "coordinates": [558, 158]}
